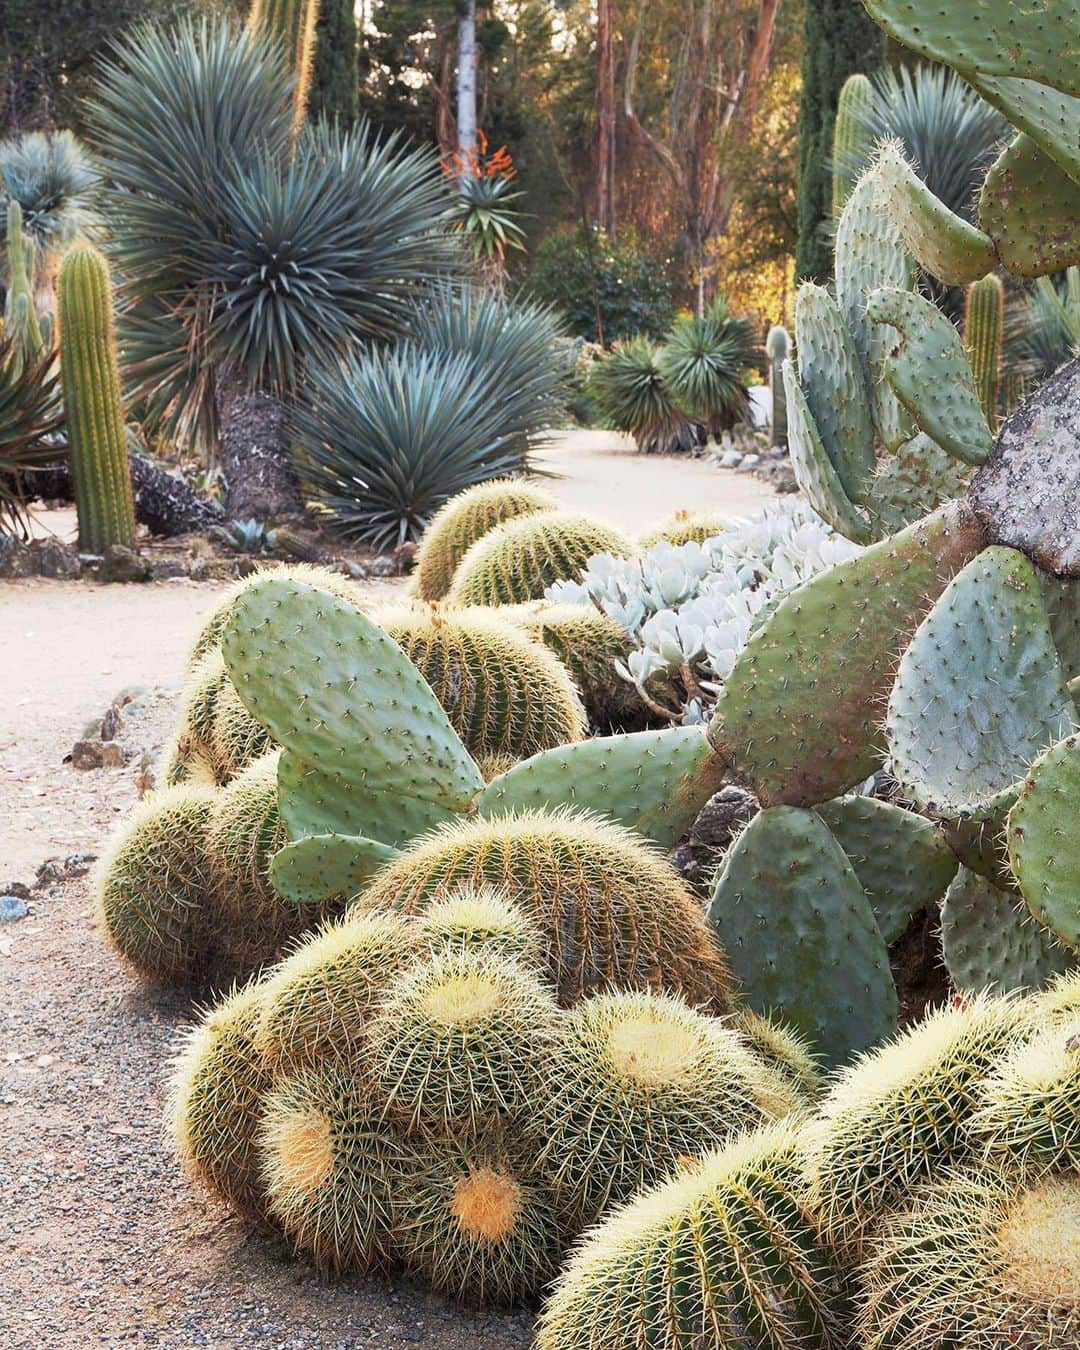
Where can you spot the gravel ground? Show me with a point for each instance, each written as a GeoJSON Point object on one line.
{"type": "Point", "coordinates": [103, 1242]}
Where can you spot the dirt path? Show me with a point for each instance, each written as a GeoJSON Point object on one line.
{"type": "Point", "coordinates": [102, 1243]}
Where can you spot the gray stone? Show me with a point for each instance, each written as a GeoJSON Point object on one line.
{"type": "Point", "coordinates": [12, 907]}
{"type": "Point", "coordinates": [16, 888]}
{"type": "Point", "coordinates": [16, 559]}
{"type": "Point", "coordinates": [730, 459]}
{"type": "Point", "coordinates": [111, 723]}
{"type": "Point", "coordinates": [168, 569]}
{"type": "Point", "coordinates": [96, 755]}
{"type": "Point", "coordinates": [357, 571]}
{"type": "Point", "coordinates": [54, 870]}
{"type": "Point", "coordinates": [123, 564]}
{"type": "Point", "coordinates": [723, 816]}
{"type": "Point", "coordinates": [382, 567]}
{"type": "Point", "coordinates": [53, 558]}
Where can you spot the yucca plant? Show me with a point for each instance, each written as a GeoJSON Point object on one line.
{"type": "Point", "coordinates": [633, 396]}
{"type": "Point", "coordinates": [1043, 330]}
{"type": "Point", "coordinates": [247, 253]}
{"type": "Point", "coordinates": [950, 133]}
{"type": "Point", "coordinates": [703, 363]}
{"type": "Point", "coordinates": [29, 413]}
{"type": "Point", "coordinates": [56, 184]}
{"type": "Point", "coordinates": [386, 436]}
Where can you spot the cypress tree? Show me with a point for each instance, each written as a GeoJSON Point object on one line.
{"type": "Point", "coordinates": [334, 89]}
{"type": "Point", "coordinates": [840, 38]}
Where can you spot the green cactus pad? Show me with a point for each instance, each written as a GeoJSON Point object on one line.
{"type": "Point", "coordinates": [945, 244]}
{"type": "Point", "coordinates": [980, 845]}
{"type": "Point", "coordinates": [909, 484]}
{"type": "Point", "coordinates": [1062, 600]}
{"type": "Point", "coordinates": [798, 715]}
{"type": "Point", "coordinates": [330, 686]}
{"type": "Point", "coordinates": [1051, 119]}
{"type": "Point", "coordinates": [654, 782]}
{"type": "Point", "coordinates": [801, 934]}
{"type": "Point", "coordinates": [813, 468]}
{"type": "Point", "coordinates": [902, 860]}
{"type": "Point", "coordinates": [1044, 841]}
{"type": "Point", "coordinates": [326, 865]}
{"type": "Point", "coordinates": [326, 803]}
{"type": "Point", "coordinates": [930, 374]}
{"type": "Point", "coordinates": [1037, 42]}
{"type": "Point", "coordinates": [831, 377]}
{"type": "Point", "coordinates": [990, 942]}
{"type": "Point", "coordinates": [1028, 207]}
{"type": "Point", "coordinates": [978, 693]}
{"type": "Point", "coordinates": [870, 253]}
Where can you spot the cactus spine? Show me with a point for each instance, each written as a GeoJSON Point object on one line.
{"type": "Point", "coordinates": [852, 143]}
{"type": "Point", "coordinates": [20, 313]}
{"type": "Point", "coordinates": [92, 403]}
{"type": "Point", "coordinates": [984, 331]}
{"type": "Point", "coordinates": [778, 349]}
{"type": "Point", "coordinates": [290, 26]}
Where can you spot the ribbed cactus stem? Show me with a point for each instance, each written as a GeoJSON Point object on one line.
{"type": "Point", "coordinates": [853, 144]}
{"type": "Point", "coordinates": [92, 403]}
{"type": "Point", "coordinates": [20, 312]}
{"type": "Point", "coordinates": [984, 331]}
{"type": "Point", "coordinates": [290, 26]}
{"type": "Point", "coordinates": [778, 349]}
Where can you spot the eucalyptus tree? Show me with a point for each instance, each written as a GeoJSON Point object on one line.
{"type": "Point", "coordinates": [247, 251]}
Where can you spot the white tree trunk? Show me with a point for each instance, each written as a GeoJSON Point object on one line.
{"type": "Point", "coordinates": [466, 85]}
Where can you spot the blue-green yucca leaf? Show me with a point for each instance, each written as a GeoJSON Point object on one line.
{"type": "Point", "coordinates": [383, 438]}
{"type": "Point", "coordinates": [703, 363]}
{"type": "Point", "coordinates": [56, 182]}
{"type": "Point", "coordinates": [634, 397]}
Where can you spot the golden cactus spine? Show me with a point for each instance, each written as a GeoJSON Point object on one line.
{"type": "Point", "coordinates": [92, 402]}
{"type": "Point", "coordinates": [290, 26]}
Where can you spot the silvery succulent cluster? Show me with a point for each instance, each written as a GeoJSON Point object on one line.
{"type": "Point", "coordinates": [689, 610]}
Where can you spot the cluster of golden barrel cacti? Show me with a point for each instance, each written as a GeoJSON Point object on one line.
{"type": "Point", "coordinates": [929, 1201]}
{"type": "Point", "coordinates": [423, 1084]}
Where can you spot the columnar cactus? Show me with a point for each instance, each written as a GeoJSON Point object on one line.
{"type": "Point", "coordinates": [92, 401]}
{"type": "Point", "coordinates": [852, 145]}
{"type": "Point", "coordinates": [778, 349]}
{"type": "Point", "coordinates": [20, 309]}
{"type": "Point", "coordinates": [289, 25]}
{"type": "Point", "coordinates": [984, 333]}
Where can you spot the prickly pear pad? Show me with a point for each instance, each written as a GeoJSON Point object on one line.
{"type": "Point", "coordinates": [979, 693]}
{"type": "Point", "coordinates": [324, 865]}
{"type": "Point", "coordinates": [814, 469]}
{"type": "Point", "coordinates": [902, 860]}
{"type": "Point", "coordinates": [801, 934]}
{"type": "Point", "coordinates": [654, 782]}
{"type": "Point", "coordinates": [798, 715]}
{"type": "Point", "coordinates": [1044, 840]}
{"type": "Point", "coordinates": [930, 374]}
{"type": "Point", "coordinates": [336, 691]}
{"type": "Point", "coordinates": [1028, 206]}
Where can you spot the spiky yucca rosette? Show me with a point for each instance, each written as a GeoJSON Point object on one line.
{"type": "Point", "coordinates": [721, 1254]}
{"type": "Point", "coordinates": [639, 1082]}
{"type": "Point", "coordinates": [612, 912]}
{"type": "Point", "coordinates": [977, 1262]}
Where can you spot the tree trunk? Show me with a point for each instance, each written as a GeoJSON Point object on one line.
{"type": "Point", "coordinates": [253, 449]}
{"type": "Point", "coordinates": [163, 503]}
{"type": "Point", "coordinates": [605, 118]}
{"type": "Point", "coordinates": [466, 87]}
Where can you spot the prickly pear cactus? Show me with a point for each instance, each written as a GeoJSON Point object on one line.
{"type": "Point", "coordinates": [1044, 843]}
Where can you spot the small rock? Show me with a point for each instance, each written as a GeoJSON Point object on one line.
{"type": "Point", "coordinates": [382, 567]}
{"type": "Point", "coordinates": [748, 462]}
{"type": "Point", "coordinates": [123, 564]}
{"type": "Point", "coordinates": [16, 888]}
{"type": "Point", "coordinates": [111, 723]}
{"type": "Point", "coordinates": [87, 754]}
{"type": "Point", "coordinates": [212, 569]}
{"type": "Point", "coordinates": [54, 870]}
{"type": "Point", "coordinates": [167, 569]}
{"type": "Point", "coordinates": [16, 559]}
{"type": "Point", "coordinates": [112, 755]}
{"type": "Point", "coordinates": [12, 907]}
{"type": "Point", "coordinates": [730, 459]}
{"type": "Point", "coordinates": [53, 558]}
{"type": "Point", "coordinates": [723, 816]}
{"type": "Point", "coordinates": [357, 571]}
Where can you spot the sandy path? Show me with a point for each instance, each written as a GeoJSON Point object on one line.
{"type": "Point", "coordinates": [605, 477]}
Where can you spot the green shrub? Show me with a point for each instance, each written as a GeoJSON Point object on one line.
{"type": "Point", "coordinates": [607, 290]}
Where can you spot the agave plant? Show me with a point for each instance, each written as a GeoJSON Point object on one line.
{"type": "Point", "coordinates": [247, 253]}
{"type": "Point", "coordinates": [56, 183]}
{"type": "Point", "coordinates": [487, 219]}
{"type": "Point", "coordinates": [703, 363]}
{"type": "Point", "coordinates": [386, 436]}
{"type": "Point", "coordinates": [950, 133]}
{"type": "Point", "coordinates": [634, 397]}
{"type": "Point", "coordinates": [29, 412]}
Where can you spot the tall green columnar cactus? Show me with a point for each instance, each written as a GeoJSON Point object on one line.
{"type": "Point", "coordinates": [92, 403]}
{"type": "Point", "coordinates": [852, 143]}
{"type": "Point", "coordinates": [778, 349]}
{"type": "Point", "coordinates": [290, 25]}
{"type": "Point", "coordinates": [984, 332]}
{"type": "Point", "coordinates": [20, 313]}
